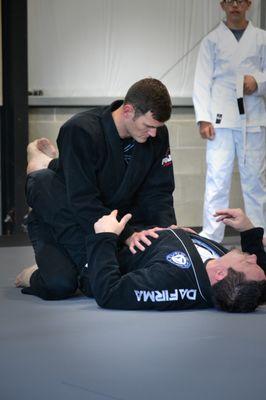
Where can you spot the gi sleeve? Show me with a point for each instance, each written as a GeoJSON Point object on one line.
{"type": "Point", "coordinates": [203, 81]}
{"type": "Point", "coordinates": [251, 242]}
{"type": "Point", "coordinates": [77, 155]}
{"type": "Point", "coordinates": [260, 76]}
{"type": "Point", "coordinates": [135, 290]}
{"type": "Point", "coordinates": [155, 196]}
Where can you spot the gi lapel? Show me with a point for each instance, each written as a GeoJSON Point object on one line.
{"type": "Point", "coordinates": [238, 50]}
{"type": "Point", "coordinates": [114, 166]}
{"type": "Point", "coordinates": [125, 181]}
{"type": "Point", "coordinates": [199, 270]}
{"type": "Point", "coordinates": [216, 246]}
{"type": "Point", "coordinates": [137, 169]}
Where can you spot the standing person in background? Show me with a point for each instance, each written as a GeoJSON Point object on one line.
{"type": "Point", "coordinates": [229, 90]}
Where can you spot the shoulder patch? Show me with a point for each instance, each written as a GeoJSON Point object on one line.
{"type": "Point", "coordinates": [167, 160]}
{"type": "Point", "coordinates": [179, 259]}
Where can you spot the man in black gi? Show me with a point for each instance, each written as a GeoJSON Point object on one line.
{"type": "Point", "coordinates": [114, 157]}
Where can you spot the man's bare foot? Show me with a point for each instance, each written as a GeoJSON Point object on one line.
{"type": "Point", "coordinates": [23, 279]}
{"type": "Point", "coordinates": [40, 153]}
{"type": "Point", "coordinates": [46, 147]}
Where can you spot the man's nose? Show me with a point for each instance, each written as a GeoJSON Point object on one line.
{"type": "Point", "coordinates": [152, 132]}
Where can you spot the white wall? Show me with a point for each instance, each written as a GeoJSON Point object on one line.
{"type": "Point", "coordinates": [100, 47]}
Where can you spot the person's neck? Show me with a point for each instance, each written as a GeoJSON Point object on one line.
{"type": "Point", "coordinates": [119, 122]}
{"type": "Point", "coordinates": [238, 25]}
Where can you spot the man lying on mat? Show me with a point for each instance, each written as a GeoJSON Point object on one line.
{"type": "Point", "coordinates": [179, 270]}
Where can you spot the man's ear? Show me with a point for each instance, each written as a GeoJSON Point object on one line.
{"type": "Point", "coordinates": [222, 5]}
{"type": "Point", "coordinates": [220, 274]}
{"type": "Point", "coordinates": [128, 111]}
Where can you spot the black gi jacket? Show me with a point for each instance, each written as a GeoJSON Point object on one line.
{"type": "Point", "coordinates": [92, 166]}
{"type": "Point", "coordinates": [169, 275]}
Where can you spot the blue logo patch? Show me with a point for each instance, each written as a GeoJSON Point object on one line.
{"type": "Point", "coordinates": [179, 259]}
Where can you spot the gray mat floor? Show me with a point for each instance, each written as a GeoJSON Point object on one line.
{"type": "Point", "coordinates": [73, 350]}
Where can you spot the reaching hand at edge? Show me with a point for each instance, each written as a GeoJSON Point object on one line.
{"type": "Point", "coordinates": [234, 217]}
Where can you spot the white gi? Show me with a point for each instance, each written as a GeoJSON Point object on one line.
{"type": "Point", "coordinates": [222, 64]}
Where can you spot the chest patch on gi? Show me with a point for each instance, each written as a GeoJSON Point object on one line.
{"type": "Point", "coordinates": [219, 118]}
{"type": "Point", "coordinates": [179, 259]}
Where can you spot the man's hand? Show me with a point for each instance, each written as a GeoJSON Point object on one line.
{"type": "Point", "coordinates": [250, 84]}
{"type": "Point", "coordinates": [234, 217]}
{"type": "Point", "coordinates": [206, 130]}
{"type": "Point", "coordinates": [109, 223]}
{"type": "Point", "coordinates": [138, 238]}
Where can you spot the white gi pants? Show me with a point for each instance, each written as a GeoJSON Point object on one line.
{"type": "Point", "coordinates": [220, 162]}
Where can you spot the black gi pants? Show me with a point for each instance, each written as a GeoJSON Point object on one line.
{"type": "Point", "coordinates": [58, 242]}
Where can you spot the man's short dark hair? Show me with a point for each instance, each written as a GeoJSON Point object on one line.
{"type": "Point", "coordinates": [235, 293]}
{"type": "Point", "coordinates": [150, 94]}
